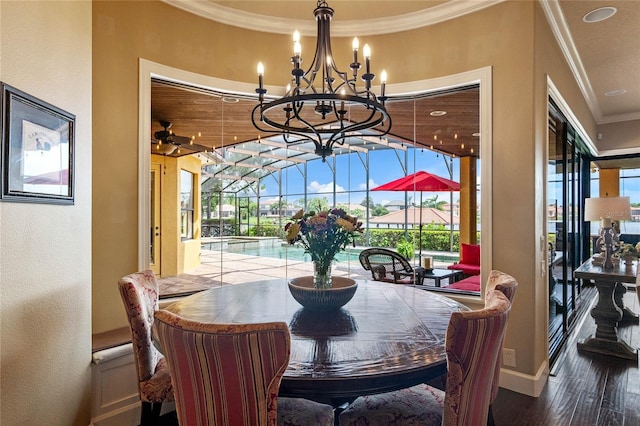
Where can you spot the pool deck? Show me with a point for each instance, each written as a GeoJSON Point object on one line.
{"type": "Point", "coordinates": [220, 268]}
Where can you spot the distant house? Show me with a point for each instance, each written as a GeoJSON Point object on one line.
{"type": "Point", "coordinates": [266, 209]}
{"type": "Point", "coordinates": [224, 211]}
{"type": "Point", "coordinates": [354, 209]}
{"type": "Point", "coordinates": [395, 205]}
{"type": "Point", "coordinates": [396, 219]}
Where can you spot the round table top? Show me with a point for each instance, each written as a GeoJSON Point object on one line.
{"type": "Point", "coordinates": [387, 337]}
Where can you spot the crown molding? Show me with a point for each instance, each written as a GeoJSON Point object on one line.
{"type": "Point", "coordinates": [561, 32]}
{"type": "Point", "coordinates": [631, 116]}
{"type": "Point", "coordinates": [307, 27]}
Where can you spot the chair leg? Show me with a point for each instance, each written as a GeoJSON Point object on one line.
{"type": "Point", "coordinates": [150, 413]}
{"type": "Point", "coordinates": [490, 421]}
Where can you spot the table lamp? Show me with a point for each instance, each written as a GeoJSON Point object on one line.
{"type": "Point", "coordinates": [607, 210]}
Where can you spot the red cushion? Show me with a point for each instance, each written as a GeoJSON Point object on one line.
{"type": "Point", "coordinates": [470, 254]}
{"type": "Point", "coordinates": [466, 268]}
{"type": "Point", "coordinates": [470, 284]}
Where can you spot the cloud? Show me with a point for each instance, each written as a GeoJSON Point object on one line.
{"type": "Point", "coordinates": [372, 185]}
{"type": "Point", "coordinates": [315, 186]}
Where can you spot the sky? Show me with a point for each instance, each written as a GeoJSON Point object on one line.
{"type": "Point", "coordinates": [350, 174]}
{"type": "Point", "coordinates": [385, 166]}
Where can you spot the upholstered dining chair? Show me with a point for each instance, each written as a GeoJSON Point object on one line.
{"type": "Point", "coordinates": [507, 284]}
{"type": "Point", "coordinates": [139, 293]}
{"type": "Point", "coordinates": [230, 374]}
{"type": "Point", "coordinates": [472, 346]}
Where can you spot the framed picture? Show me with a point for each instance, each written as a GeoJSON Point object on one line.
{"type": "Point", "coordinates": [37, 150]}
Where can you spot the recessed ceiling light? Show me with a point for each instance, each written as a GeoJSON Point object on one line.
{"type": "Point", "coordinates": [476, 134]}
{"type": "Point", "coordinates": [600, 14]}
{"type": "Point", "coordinates": [230, 100]}
{"type": "Point", "coordinates": [437, 113]}
{"type": "Point", "coordinates": [616, 92]}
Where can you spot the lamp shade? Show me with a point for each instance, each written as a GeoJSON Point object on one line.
{"type": "Point", "coordinates": [614, 208]}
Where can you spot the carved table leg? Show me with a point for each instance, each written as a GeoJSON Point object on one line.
{"type": "Point", "coordinates": [628, 316]}
{"type": "Point", "coordinates": [607, 314]}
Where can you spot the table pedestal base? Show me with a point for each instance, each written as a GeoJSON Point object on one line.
{"type": "Point", "coordinates": [608, 313]}
{"type": "Point", "coordinates": [616, 348]}
{"type": "Point", "coordinates": [628, 317]}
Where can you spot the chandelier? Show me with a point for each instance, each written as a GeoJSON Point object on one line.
{"type": "Point", "coordinates": [323, 105]}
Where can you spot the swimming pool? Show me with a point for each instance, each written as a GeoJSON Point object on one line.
{"type": "Point", "coordinates": [286, 251]}
{"type": "Point", "coordinates": [296, 253]}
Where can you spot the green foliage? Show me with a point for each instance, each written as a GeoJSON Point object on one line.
{"type": "Point", "coordinates": [368, 201]}
{"type": "Point", "coordinates": [434, 203]}
{"type": "Point", "coordinates": [406, 249]}
{"type": "Point", "coordinates": [434, 238]}
{"type": "Point", "coordinates": [265, 231]}
{"type": "Point", "coordinates": [318, 204]}
{"type": "Point", "coordinates": [379, 211]}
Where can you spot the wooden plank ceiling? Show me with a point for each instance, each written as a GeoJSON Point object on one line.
{"type": "Point", "coordinates": [219, 121]}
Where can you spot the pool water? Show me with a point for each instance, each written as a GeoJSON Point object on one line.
{"type": "Point", "coordinates": [296, 253]}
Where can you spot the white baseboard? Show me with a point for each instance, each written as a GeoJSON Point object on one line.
{"type": "Point", "coordinates": [114, 389]}
{"type": "Point", "coordinates": [525, 383]}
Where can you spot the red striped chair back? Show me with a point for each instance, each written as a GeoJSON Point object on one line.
{"type": "Point", "coordinates": [507, 285]}
{"type": "Point", "coordinates": [225, 374]}
{"type": "Point", "coordinates": [473, 342]}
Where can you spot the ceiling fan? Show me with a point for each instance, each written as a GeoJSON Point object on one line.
{"type": "Point", "coordinates": [166, 142]}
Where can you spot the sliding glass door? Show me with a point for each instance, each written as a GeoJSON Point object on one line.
{"type": "Point", "coordinates": [567, 185]}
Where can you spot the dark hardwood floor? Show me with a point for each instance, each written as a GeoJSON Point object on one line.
{"type": "Point", "coordinates": [585, 389]}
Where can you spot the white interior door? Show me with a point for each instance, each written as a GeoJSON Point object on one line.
{"type": "Point", "coordinates": [156, 236]}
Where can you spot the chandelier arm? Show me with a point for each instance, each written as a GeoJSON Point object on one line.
{"type": "Point", "coordinates": [305, 99]}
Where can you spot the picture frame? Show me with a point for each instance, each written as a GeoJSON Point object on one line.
{"type": "Point", "coordinates": [37, 150]}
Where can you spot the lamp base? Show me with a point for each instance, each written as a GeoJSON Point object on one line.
{"type": "Point", "coordinates": [607, 242]}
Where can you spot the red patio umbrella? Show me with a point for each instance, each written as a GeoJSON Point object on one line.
{"type": "Point", "coordinates": [422, 182]}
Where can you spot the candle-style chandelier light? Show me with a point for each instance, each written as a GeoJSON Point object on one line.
{"type": "Point", "coordinates": [323, 104]}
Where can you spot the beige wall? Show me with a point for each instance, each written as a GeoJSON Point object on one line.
{"type": "Point", "coordinates": [549, 63]}
{"type": "Point", "coordinates": [615, 136]}
{"type": "Point", "coordinates": [45, 250]}
{"type": "Point", "coordinates": [176, 255]}
{"type": "Point", "coordinates": [512, 37]}
{"type": "Point", "coordinates": [609, 183]}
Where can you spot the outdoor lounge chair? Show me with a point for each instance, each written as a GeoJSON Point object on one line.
{"type": "Point", "coordinates": [389, 266]}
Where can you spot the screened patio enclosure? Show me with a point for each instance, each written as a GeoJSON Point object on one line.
{"type": "Point", "coordinates": [252, 183]}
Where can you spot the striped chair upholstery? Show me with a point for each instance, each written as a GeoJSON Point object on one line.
{"type": "Point", "coordinates": [507, 285]}
{"type": "Point", "coordinates": [472, 346]}
{"type": "Point", "coordinates": [139, 293]}
{"type": "Point", "coordinates": [229, 374]}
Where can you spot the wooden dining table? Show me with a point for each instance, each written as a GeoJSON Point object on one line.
{"type": "Point", "coordinates": [388, 337]}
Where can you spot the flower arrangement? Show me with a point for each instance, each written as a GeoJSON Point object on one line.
{"type": "Point", "coordinates": [323, 235]}
{"type": "Point", "coordinates": [628, 251]}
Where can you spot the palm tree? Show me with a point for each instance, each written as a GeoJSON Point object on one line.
{"type": "Point", "coordinates": [318, 204]}
{"type": "Point", "coordinates": [434, 203]}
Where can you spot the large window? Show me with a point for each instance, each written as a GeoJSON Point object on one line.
{"type": "Point", "coordinates": [186, 205]}
{"type": "Point", "coordinates": [629, 187]}
{"type": "Point", "coordinates": [265, 181]}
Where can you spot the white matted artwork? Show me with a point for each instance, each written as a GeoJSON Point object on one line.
{"type": "Point", "coordinates": [37, 150]}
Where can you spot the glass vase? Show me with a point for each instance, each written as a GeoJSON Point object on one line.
{"type": "Point", "coordinates": [322, 274]}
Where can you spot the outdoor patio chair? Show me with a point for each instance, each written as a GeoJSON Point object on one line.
{"type": "Point", "coordinates": [389, 266]}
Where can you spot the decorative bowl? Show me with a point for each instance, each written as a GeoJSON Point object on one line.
{"type": "Point", "coordinates": [328, 299]}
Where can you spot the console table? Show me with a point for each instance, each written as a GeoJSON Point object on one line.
{"type": "Point", "coordinates": [609, 311]}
